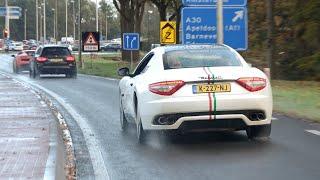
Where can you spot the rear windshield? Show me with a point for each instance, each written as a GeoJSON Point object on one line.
{"type": "Point", "coordinates": [30, 53]}
{"type": "Point", "coordinates": [193, 58]}
{"type": "Point", "coordinates": [55, 51]}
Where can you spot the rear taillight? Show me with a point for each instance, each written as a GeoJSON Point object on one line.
{"type": "Point", "coordinates": [166, 88]}
{"type": "Point", "coordinates": [252, 83]}
{"type": "Point", "coordinates": [70, 58]}
{"type": "Point", "coordinates": [42, 59]}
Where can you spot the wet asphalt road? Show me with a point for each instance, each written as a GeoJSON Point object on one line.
{"type": "Point", "coordinates": [291, 153]}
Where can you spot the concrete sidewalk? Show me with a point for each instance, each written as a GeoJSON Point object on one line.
{"type": "Point", "coordinates": [24, 132]}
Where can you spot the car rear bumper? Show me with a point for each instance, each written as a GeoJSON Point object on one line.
{"type": "Point", "coordinates": [56, 69]}
{"type": "Point", "coordinates": [24, 66]}
{"type": "Point", "coordinates": [194, 109]}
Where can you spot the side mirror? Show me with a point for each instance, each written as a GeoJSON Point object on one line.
{"type": "Point", "coordinates": [124, 71]}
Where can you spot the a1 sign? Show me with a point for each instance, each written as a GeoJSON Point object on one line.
{"type": "Point", "coordinates": [199, 26]}
{"type": "Point", "coordinates": [214, 2]}
{"type": "Point", "coordinates": [131, 41]}
{"type": "Point", "coordinates": [90, 41]}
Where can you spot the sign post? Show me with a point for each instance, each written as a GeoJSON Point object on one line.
{"type": "Point", "coordinates": [220, 22]}
{"type": "Point", "coordinates": [131, 42]}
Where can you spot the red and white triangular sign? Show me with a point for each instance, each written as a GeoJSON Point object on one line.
{"type": "Point", "coordinates": [91, 40]}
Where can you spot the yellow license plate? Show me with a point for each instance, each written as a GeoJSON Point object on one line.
{"type": "Point", "coordinates": [211, 88]}
{"type": "Point", "coordinates": [56, 60]}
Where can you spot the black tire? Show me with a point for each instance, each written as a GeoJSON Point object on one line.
{"type": "Point", "coordinates": [141, 134]}
{"type": "Point", "coordinates": [254, 132]}
{"type": "Point", "coordinates": [36, 73]}
{"type": "Point", "coordinates": [72, 74]}
{"type": "Point", "coordinates": [123, 120]}
{"type": "Point", "coordinates": [14, 66]}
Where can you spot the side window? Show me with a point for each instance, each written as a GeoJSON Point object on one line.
{"type": "Point", "coordinates": [144, 62]}
{"type": "Point", "coordinates": [38, 51]}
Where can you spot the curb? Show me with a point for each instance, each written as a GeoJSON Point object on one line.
{"type": "Point", "coordinates": [68, 161]}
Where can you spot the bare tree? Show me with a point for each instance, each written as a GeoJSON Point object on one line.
{"type": "Point", "coordinates": [131, 14]}
{"type": "Point", "coordinates": [162, 6]}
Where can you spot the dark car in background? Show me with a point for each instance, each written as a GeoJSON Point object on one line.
{"type": "Point", "coordinates": [114, 47]}
{"type": "Point", "coordinates": [53, 59]}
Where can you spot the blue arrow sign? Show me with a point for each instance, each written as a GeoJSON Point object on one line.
{"type": "Point", "coordinates": [214, 2]}
{"type": "Point", "coordinates": [131, 41]}
{"type": "Point", "coordinates": [199, 26]}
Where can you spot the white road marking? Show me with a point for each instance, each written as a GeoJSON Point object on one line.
{"type": "Point", "coordinates": [274, 119]}
{"type": "Point", "coordinates": [315, 132]}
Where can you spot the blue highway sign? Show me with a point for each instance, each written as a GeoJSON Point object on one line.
{"type": "Point", "coordinates": [214, 2]}
{"type": "Point", "coordinates": [13, 11]}
{"type": "Point", "coordinates": [11, 8]}
{"type": "Point", "coordinates": [131, 41]}
{"type": "Point", "coordinates": [199, 26]}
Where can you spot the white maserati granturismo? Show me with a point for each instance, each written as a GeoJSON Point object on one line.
{"type": "Point", "coordinates": [195, 88]}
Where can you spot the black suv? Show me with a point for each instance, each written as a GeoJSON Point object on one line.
{"type": "Point", "coordinates": [53, 59]}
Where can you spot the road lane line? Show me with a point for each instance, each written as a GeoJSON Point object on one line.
{"type": "Point", "coordinates": [315, 132]}
{"type": "Point", "coordinates": [274, 119]}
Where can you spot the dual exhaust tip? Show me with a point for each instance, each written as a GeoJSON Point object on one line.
{"type": "Point", "coordinates": [257, 116]}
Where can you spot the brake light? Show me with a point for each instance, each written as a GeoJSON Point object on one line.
{"type": "Point", "coordinates": [166, 88]}
{"type": "Point", "coordinates": [252, 84]}
{"type": "Point", "coordinates": [70, 58]}
{"type": "Point", "coordinates": [42, 59]}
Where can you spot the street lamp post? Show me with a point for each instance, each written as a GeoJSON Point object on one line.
{"type": "Point", "coordinates": [74, 21]}
{"type": "Point", "coordinates": [66, 18]}
{"type": "Point", "coordinates": [37, 21]}
{"type": "Point", "coordinates": [25, 24]}
{"type": "Point", "coordinates": [7, 23]}
{"type": "Point", "coordinates": [44, 22]}
{"type": "Point", "coordinates": [149, 13]}
{"type": "Point", "coordinates": [56, 18]}
{"type": "Point", "coordinates": [97, 16]}
{"type": "Point", "coordinates": [106, 26]}
{"type": "Point", "coordinates": [80, 35]}
{"type": "Point", "coordinates": [54, 23]}
{"type": "Point", "coordinates": [40, 33]}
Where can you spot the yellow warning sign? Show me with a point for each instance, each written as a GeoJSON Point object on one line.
{"type": "Point", "coordinates": [168, 32]}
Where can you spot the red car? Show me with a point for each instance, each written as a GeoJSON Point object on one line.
{"type": "Point", "coordinates": [21, 60]}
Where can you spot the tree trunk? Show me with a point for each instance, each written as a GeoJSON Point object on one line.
{"type": "Point", "coordinates": [131, 13]}
{"type": "Point", "coordinates": [270, 41]}
{"type": "Point", "coordinates": [162, 13]}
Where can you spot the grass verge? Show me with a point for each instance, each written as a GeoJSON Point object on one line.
{"type": "Point", "coordinates": [102, 66]}
{"type": "Point", "coordinates": [293, 98]}
{"type": "Point", "coordinates": [297, 98]}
